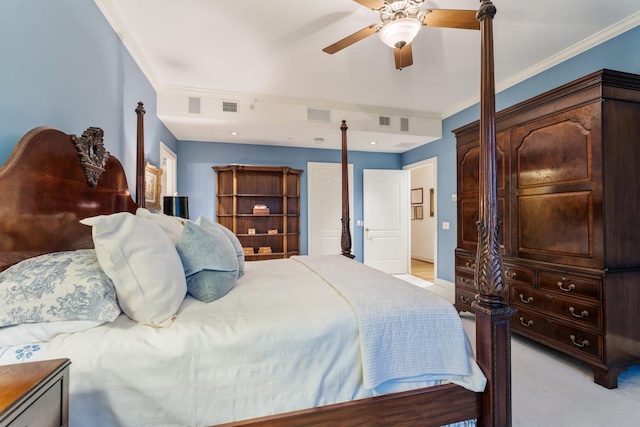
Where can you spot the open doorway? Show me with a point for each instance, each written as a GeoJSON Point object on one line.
{"type": "Point", "coordinates": [169, 166]}
{"type": "Point", "coordinates": [423, 229]}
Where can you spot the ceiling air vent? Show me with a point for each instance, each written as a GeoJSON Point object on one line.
{"type": "Point", "coordinates": [384, 121]}
{"type": "Point", "coordinates": [230, 106]}
{"type": "Point", "coordinates": [405, 145]}
{"type": "Point", "coordinates": [404, 124]}
{"type": "Point", "coordinates": [318, 115]}
{"type": "Point", "coordinates": [194, 105]}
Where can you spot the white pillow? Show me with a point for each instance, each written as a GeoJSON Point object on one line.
{"type": "Point", "coordinates": [28, 333]}
{"type": "Point", "coordinates": [171, 225]}
{"type": "Point", "coordinates": [143, 264]}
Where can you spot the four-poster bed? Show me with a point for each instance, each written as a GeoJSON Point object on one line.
{"type": "Point", "coordinates": [32, 225]}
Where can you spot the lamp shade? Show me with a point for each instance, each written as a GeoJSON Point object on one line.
{"type": "Point", "coordinates": [176, 206]}
{"type": "Point", "coordinates": [401, 32]}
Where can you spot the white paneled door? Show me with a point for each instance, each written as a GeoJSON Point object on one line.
{"type": "Point", "coordinates": [386, 220]}
{"type": "Point", "coordinates": [325, 207]}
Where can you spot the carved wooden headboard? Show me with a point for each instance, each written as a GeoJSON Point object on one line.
{"type": "Point", "coordinates": [50, 182]}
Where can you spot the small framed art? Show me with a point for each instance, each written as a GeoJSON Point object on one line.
{"type": "Point", "coordinates": [152, 186]}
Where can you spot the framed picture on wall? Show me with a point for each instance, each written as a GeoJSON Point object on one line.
{"type": "Point", "coordinates": [416, 196]}
{"type": "Point", "coordinates": [419, 212]}
{"type": "Point", "coordinates": [152, 186]}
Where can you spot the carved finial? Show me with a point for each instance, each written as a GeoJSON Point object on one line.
{"type": "Point", "coordinates": [140, 109]}
{"type": "Point", "coordinates": [93, 156]}
{"type": "Point", "coordinates": [486, 10]}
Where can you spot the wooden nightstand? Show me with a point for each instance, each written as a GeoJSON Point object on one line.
{"type": "Point", "coordinates": [35, 394]}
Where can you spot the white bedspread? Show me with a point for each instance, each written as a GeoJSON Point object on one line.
{"type": "Point", "coordinates": [404, 331]}
{"type": "Point", "coordinates": [281, 340]}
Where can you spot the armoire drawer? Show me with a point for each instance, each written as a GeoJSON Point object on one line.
{"type": "Point", "coordinates": [467, 263]}
{"type": "Point", "coordinates": [589, 314]}
{"type": "Point", "coordinates": [464, 298]}
{"type": "Point", "coordinates": [547, 330]}
{"type": "Point", "coordinates": [466, 280]}
{"type": "Point", "coordinates": [570, 284]}
{"type": "Point", "coordinates": [517, 273]}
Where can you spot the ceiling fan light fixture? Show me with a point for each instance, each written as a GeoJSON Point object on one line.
{"type": "Point", "coordinates": [400, 32]}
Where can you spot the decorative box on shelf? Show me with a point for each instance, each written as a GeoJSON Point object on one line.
{"type": "Point", "coordinates": [247, 251]}
{"type": "Point", "coordinates": [272, 231]}
{"type": "Point", "coordinates": [264, 250]}
{"type": "Point", "coordinates": [260, 210]}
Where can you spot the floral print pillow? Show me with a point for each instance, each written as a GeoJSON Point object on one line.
{"type": "Point", "coordinates": [58, 286]}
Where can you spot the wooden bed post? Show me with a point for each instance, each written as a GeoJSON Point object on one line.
{"type": "Point", "coordinates": [346, 232]}
{"type": "Point", "coordinates": [140, 184]}
{"type": "Point", "coordinates": [493, 314]}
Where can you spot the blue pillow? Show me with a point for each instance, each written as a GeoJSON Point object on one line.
{"type": "Point", "coordinates": [209, 260]}
{"type": "Point", "coordinates": [207, 224]}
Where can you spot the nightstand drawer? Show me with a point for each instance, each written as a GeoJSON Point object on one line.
{"type": "Point", "coordinates": [44, 412]}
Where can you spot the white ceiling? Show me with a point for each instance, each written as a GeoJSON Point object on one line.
{"type": "Point", "coordinates": [267, 56]}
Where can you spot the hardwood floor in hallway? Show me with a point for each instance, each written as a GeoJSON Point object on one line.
{"type": "Point", "coordinates": [422, 269]}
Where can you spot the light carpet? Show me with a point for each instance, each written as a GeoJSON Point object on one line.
{"type": "Point", "coordinates": [550, 389]}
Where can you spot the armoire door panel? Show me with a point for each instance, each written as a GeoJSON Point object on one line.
{"type": "Point", "coordinates": [468, 228]}
{"type": "Point", "coordinates": [555, 224]}
{"type": "Point", "coordinates": [556, 154]}
{"type": "Point", "coordinates": [469, 161]}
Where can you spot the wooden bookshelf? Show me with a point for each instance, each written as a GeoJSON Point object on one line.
{"type": "Point", "coordinates": [239, 188]}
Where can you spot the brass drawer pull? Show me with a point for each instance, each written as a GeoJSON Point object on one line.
{"type": "Point", "coordinates": [526, 301]}
{"type": "Point", "coordinates": [584, 313]}
{"type": "Point", "coordinates": [465, 281]}
{"type": "Point", "coordinates": [580, 344]}
{"type": "Point", "coordinates": [465, 299]}
{"type": "Point", "coordinates": [471, 264]}
{"type": "Point", "coordinates": [528, 324]}
{"type": "Point", "coordinates": [510, 274]}
{"type": "Point", "coordinates": [569, 289]}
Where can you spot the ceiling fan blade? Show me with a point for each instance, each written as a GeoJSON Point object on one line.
{"type": "Point", "coordinates": [403, 57]}
{"type": "Point", "coordinates": [451, 18]}
{"type": "Point", "coordinates": [348, 41]}
{"type": "Point", "coordinates": [371, 4]}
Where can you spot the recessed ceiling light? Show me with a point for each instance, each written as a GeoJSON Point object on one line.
{"type": "Point", "coordinates": [234, 133]}
{"type": "Point", "coordinates": [373, 143]}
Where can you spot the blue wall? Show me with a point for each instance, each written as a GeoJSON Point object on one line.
{"type": "Point", "coordinates": [64, 66]}
{"type": "Point", "coordinates": [196, 177]}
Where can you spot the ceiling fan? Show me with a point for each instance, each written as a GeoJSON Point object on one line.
{"type": "Point", "coordinates": [400, 22]}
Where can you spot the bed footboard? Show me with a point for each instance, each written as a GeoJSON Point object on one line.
{"type": "Point", "coordinates": [433, 406]}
